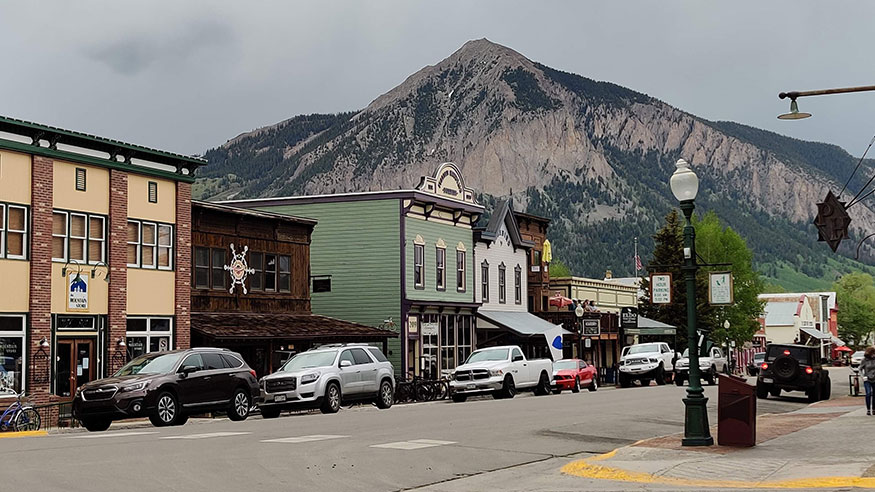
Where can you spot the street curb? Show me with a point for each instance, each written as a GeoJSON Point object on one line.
{"type": "Point", "coordinates": [23, 434]}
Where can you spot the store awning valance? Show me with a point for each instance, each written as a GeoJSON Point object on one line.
{"type": "Point", "coordinates": [286, 326]}
{"type": "Point", "coordinates": [647, 326]}
{"type": "Point", "coordinates": [521, 323]}
{"type": "Point", "coordinates": [816, 334]}
{"type": "Point", "coordinates": [838, 342]}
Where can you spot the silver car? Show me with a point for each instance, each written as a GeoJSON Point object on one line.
{"type": "Point", "coordinates": [326, 377]}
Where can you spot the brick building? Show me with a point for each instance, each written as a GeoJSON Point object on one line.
{"type": "Point", "coordinates": [95, 250]}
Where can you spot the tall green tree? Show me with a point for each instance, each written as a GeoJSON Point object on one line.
{"type": "Point", "coordinates": [559, 269]}
{"type": "Point", "coordinates": [855, 296]}
{"type": "Point", "coordinates": [714, 244]}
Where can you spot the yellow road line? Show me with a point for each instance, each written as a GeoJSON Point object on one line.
{"type": "Point", "coordinates": [584, 469]}
{"type": "Point", "coordinates": [23, 434]}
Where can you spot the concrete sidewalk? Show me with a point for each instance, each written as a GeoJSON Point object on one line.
{"type": "Point", "coordinates": [825, 445]}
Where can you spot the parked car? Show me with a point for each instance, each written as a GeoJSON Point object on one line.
{"type": "Point", "coordinates": [793, 368]}
{"type": "Point", "coordinates": [709, 366]}
{"type": "Point", "coordinates": [500, 371]}
{"type": "Point", "coordinates": [167, 387]}
{"type": "Point", "coordinates": [646, 362]}
{"type": "Point", "coordinates": [572, 374]}
{"type": "Point", "coordinates": [753, 368]}
{"type": "Point", "coordinates": [328, 376]}
{"type": "Point", "coordinates": [856, 359]}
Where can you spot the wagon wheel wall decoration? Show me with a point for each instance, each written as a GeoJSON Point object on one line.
{"type": "Point", "coordinates": [238, 269]}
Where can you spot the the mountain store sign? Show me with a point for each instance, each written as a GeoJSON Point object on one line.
{"type": "Point", "coordinates": [77, 294]}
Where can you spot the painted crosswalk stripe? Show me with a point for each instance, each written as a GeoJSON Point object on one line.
{"type": "Point", "coordinates": [413, 444]}
{"type": "Point", "coordinates": [208, 435]}
{"type": "Point", "coordinates": [113, 434]}
{"type": "Point", "coordinates": [297, 439]}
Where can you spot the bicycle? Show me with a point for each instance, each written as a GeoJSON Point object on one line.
{"type": "Point", "coordinates": [20, 416]}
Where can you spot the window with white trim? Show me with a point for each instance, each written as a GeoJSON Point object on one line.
{"type": "Point", "coordinates": [12, 354]}
{"type": "Point", "coordinates": [78, 236]}
{"type": "Point", "coordinates": [460, 271]}
{"type": "Point", "coordinates": [440, 267]}
{"type": "Point", "coordinates": [518, 284]}
{"type": "Point", "coordinates": [13, 231]}
{"type": "Point", "coordinates": [148, 334]}
{"type": "Point", "coordinates": [150, 245]}
{"type": "Point", "coordinates": [484, 280]}
{"type": "Point", "coordinates": [419, 266]}
{"type": "Point", "coordinates": [502, 286]}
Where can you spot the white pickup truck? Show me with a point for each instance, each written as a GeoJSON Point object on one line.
{"type": "Point", "coordinates": [500, 371]}
{"type": "Point", "coordinates": [709, 366]}
{"type": "Point", "coordinates": [646, 362]}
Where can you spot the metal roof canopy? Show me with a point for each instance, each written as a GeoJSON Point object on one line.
{"type": "Point", "coordinates": [522, 323]}
{"type": "Point", "coordinates": [647, 326]}
{"type": "Point", "coordinates": [813, 333]}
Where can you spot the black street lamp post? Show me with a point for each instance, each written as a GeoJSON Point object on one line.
{"type": "Point", "coordinates": [684, 186]}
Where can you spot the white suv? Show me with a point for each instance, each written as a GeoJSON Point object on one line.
{"type": "Point", "coordinates": [326, 377]}
{"type": "Point", "coordinates": [709, 366]}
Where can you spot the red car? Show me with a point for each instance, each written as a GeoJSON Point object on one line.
{"type": "Point", "coordinates": [573, 374]}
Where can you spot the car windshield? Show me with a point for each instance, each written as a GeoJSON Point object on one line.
{"type": "Point", "coordinates": [644, 348]}
{"type": "Point", "coordinates": [308, 360]}
{"type": "Point", "coordinates": [565, 364]}
{"type": "Point", "coordinates": [487, 355]}
{"type": "Point", "coordinates": [798, 353]}
{"type": "Point", "coordinates": [155, 363]}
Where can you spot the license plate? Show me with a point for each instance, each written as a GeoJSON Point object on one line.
{"type": "Point", "coordinates": [471, 386]}
{"type": "Point", "coordinates": [768, 380]}
{"type": "Point", "coordinates": [279, 398]}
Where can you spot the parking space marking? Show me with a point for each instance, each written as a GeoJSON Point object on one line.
{"type": "Point", "coordinates": [114, 434]}
{"type": "Point", "coordinates": [413, 444]}
{"type": "Point", "coordinates": [208, 435]}
{"type": "Point", "coordinates": [298, 439]}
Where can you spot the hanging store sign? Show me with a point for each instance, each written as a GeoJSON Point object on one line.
{"type": "Point", "coordinates": [238, 269]}
{"type": "Point", "coordinates": [720, 289]}
{"type": "Point", "coordinates": [629, 317]}
{"type": "Point", "coordinates": [77, 299]}
{"type": "Point", "coordinates": [591, 327]}
{"type": "Point", "coordinates": [660, 288]}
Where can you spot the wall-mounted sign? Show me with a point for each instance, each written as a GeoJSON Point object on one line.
{"type": "Point", "coordinates": [629, 317]}
{"type": "Point", "coordinates": [238, 269]}
{"type": "Point", "coordinates": [77, 299]}
{"type": "Point", "coordinates": [720, 288]}
{"type": "Point", "coordinates": [591, 327]}
{"type": "Point", "coordinates": [660, 288]}
{"type": "Point", "coordinates": [587, 342]}
{"type": "Point", "coordinates": [429, 329]}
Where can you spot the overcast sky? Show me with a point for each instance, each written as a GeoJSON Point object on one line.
{"type": "Point", "coordinates": [186, 76]}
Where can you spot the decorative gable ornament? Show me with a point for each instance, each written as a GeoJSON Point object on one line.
{"type": "Point", "coordinates": [447, 182]}
{"type": "Point", "coordinates": [238, 269]}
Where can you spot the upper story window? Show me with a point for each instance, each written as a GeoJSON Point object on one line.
{"type": "Point", "coordinates": [502, 286]}
{"type": "Point", "coordinates": [80, 179]}
{"type": "Point", "coordinates": [78, 236]}
{"type": "Point", "coordinates": [484, 281]}
{"type": "Point", "coordinates": [460, 271]}
{"type": "Point", "coordinates": [13, 231]}
{"type": "Point", "coordinates": [150, 245]}
{"type": "Point", "coordinates": [419, 266]}
{"type": "Point", "coordinates": [518, 284]}
{"type": "Point", "coordinates": [153, 192]}
{"type": "Point", "coordinates": [536, 260]}
{"type": "Point", "coordinates": [440, 266]}
{"type": "Point", "coordinates": [272, 273]}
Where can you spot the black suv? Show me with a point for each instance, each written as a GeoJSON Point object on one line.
{"type": "Point", "coordinates": [793, 368]}
{"type": "Point", "coordinates": [168, 387]}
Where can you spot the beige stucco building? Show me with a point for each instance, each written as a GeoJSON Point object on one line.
{"type": "Point", "coordinates": [608, 296]}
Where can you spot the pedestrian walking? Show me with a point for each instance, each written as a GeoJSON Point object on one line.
{"type": "Point", "coordinates": [867, 372]}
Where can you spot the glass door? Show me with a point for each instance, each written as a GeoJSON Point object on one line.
{"type": "Point", "coordinates": [75, 365]}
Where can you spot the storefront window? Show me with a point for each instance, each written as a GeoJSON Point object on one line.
{"type": "Point", "coordinates": [429, 329]}
{"type": "Point", "coordinates": [448, 343]}
{"type": "Point", "coordinates": [12, 358]}
{"type": "Point", "coordinates": [146, 335]}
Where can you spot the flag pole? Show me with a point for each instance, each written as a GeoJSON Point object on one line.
{"type": "Point", "coordinates": [635, 258]}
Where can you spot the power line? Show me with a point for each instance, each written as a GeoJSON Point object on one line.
{"type": "Point", "coordinates": [858, 167]}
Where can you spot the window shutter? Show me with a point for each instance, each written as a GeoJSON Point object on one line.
{"type": "Point", "coordinates": [153, 192]}
{"type": "Point", "coordinates": [80, 179]}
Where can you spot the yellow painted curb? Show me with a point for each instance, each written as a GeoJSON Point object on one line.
{"type": "Point", "coordinates": [23, 434]}
{"type": "Point", "coordinates": [584, 469]}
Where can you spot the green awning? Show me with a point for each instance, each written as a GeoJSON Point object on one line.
{"type": "Point", "coordinates": [649, 331]}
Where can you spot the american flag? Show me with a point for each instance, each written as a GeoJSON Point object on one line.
{"type": "Point", "coordinates": [638, 265]}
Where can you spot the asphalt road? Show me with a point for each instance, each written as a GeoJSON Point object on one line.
{"type": "Point", "coordinates": [360, 448]}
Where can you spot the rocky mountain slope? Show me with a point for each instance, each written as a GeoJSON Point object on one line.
{"type": "Point", "coordinates": [593, 156]}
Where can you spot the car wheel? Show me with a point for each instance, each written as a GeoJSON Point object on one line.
{"type": "Point", "coordinates": [814, 394]}
{"type": "Point", "coordinates": [827, 389]}
{"type": "Point", "coordinates": [660, 375]}
{"type": "Point", "coordinates": [679, 380]}
{"type": "Point", "coordinates": [241, 402]}
{"type": "Point", "coordinates": [270, 413]}
{"type": "Point", "coordinates": [96, 424]}
{"type": "Point", "coordinates": [776, 392]}
{"type": "Point", "coordinates": [593, 386]}
{"type": "Point", "coordinates": [166, 410]}
{"type": "Point", "coordinates": [645, 382]}
{"type": "Point", "coordinates": [711, 377]}
{"type": "Point", "coordinates": [387, 395]}
{"type": "Point", "coordinates": [181, 420]}
{"type": "Point", "coordinates": [460, 398]}
{"type": "Point", "coordinates": [762, 391]}
{"type": "Point", "coordinates": [576, 387]}
{"type": "Point", "coordinates": [625, 382]}
{"type": "Point", "coordinates": [331, 401]}
{"type": "Point", "coordinates": [543, 387]}
{"type": "Point", "coordinates": [508, 390]}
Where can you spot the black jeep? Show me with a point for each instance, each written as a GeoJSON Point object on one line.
{"type": "Point", "coordinates": [793, 368]}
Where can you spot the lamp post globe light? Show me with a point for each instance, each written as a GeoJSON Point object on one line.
{"type": "Point", "coordinates": [685, 185]}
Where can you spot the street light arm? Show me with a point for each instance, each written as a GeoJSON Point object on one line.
{"type": "Point", "coordinates": [794, 94]}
